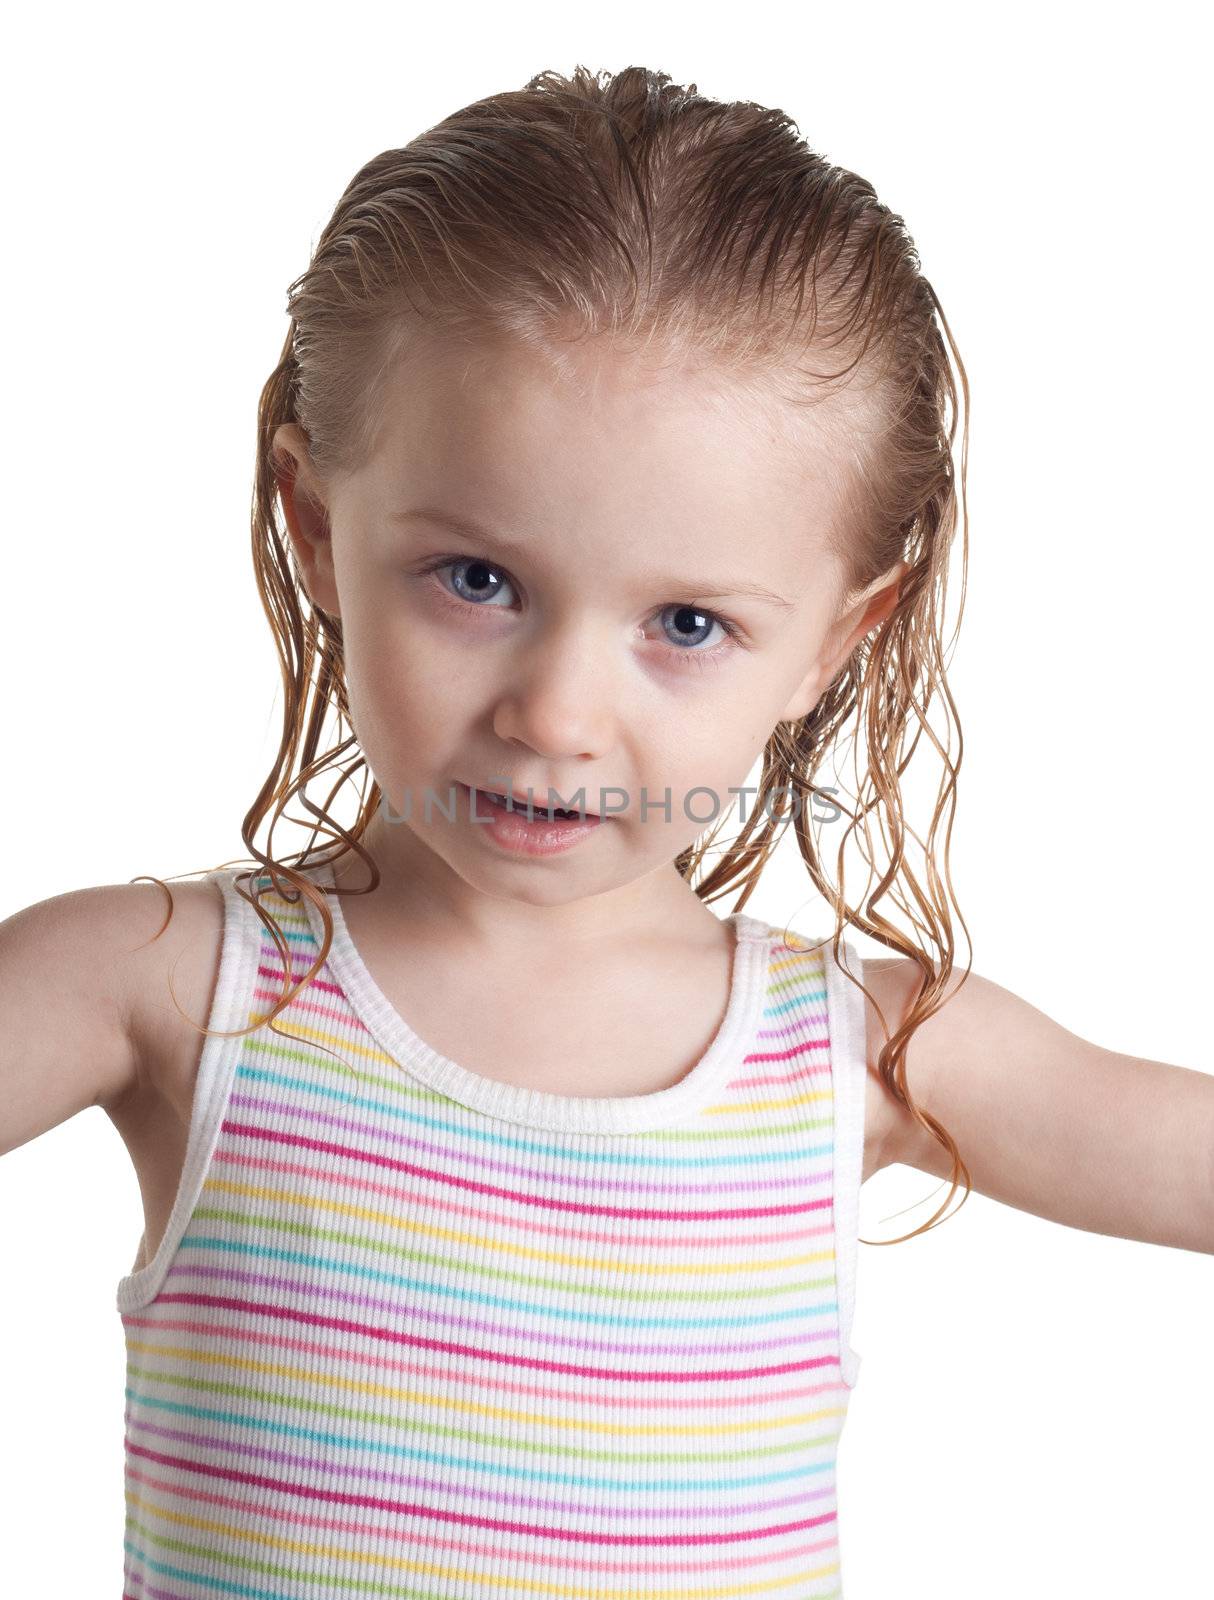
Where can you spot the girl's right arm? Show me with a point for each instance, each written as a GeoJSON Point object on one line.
{"type": "Point", "coordinates": [67, 987]}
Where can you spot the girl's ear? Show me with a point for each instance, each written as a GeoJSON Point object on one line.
{"type": "Point", "coordinates": [306, 515]}
{"type": "Point", "coordinates": [858, 619]}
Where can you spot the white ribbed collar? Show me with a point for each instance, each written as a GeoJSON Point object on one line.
{"type": "Point", "coordinates": [536, 1108]}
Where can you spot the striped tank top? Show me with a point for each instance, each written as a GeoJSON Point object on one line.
{"type": "Point", "coordinates": [417, 1334]}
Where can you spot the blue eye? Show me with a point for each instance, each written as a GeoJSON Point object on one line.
{"type": "Point", "coordinates": [699, 620]}
{"type": "Point", "coordinates": [478, 583]}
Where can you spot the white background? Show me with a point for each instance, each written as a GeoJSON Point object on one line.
{"type": "Point", "coordinates": [1035, 1406]}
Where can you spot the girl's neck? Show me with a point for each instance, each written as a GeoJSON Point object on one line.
{"type": "Point", "coordinates": [418, 890]}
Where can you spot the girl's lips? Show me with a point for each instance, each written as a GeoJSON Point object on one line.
{"type": "Point", "coordinates": [521, 802]}
{"type": "Point", "coordinates": [537, 834]}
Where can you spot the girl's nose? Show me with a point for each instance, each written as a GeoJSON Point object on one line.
{"type": "Point", "coordinates": [556, 696]}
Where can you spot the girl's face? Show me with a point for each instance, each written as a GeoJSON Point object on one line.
{"type": "Point", "coordinates": [616, 584]}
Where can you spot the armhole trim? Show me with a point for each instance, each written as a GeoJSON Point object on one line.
{"type": "Point", "coordinates": [230, 1008]}
{"type": "Point", "coordinates": [848, 1068]}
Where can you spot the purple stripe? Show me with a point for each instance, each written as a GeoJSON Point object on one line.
{"type": "Point", "coordinates": [299, 1112]}
{"type": "Point", "coordinates": [411, 1480]}
{"type": "Point", "coordinates": [415, 1508]}
{"type": "Point", "coordinates": [493, 1330]}
{"type": "Point", "coordinates": [409, 1341]}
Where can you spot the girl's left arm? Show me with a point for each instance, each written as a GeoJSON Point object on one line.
{"type": "Point", "coordinates": [1045, 1120]}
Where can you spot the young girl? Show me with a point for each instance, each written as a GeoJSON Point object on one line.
{"type": "Point", "coordinates": [501, 1231]}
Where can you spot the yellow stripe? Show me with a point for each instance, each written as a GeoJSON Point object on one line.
{"type": "Point", "coordinates": [776, 1103]}
{"type": "Point", "coordinates": [305, 1034]}
{"type": "Point", "coordinates": [803, 956]}
{"type": "Point", "coordinates": [332, 1553]}
{"type": "Point", "coordinates": [473, 1408]}
{"type": "Point", "coordinates": [596, 1264]}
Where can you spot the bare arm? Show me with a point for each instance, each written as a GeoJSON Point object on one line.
{"type": "Point", "coordinates": [1050, 1123]}
{"type": "Point", "coordinates": [66, 1039]}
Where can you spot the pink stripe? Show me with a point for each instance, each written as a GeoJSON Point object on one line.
{"type": "Point", "coordinates": [466, 1548]}
{"type": "Point", "coordinates": [413, 1341]}
{"type": "Point", "coordinates": [716, 1185]}
{"type": "Point", "coordinates": [445, 1207]}
{"type": "Point", "coordinates": [152, 1592]}
{"type": "Point", "coordinates": [501, 1497]}
{"type": "Point", "coordinates": [794, 1022]}
{"type": "Point", "coordinates": [309, 1491]}
{"type": "Point", "coordinates": [481, 1382]}
{"type": "Point", "coordinates": [630, 1348]}
{"type": "Point", "coordinates": [801, 1049]}
{"type": "Point", "coordinates": [318, 985]}
{"type": "Point", "coordinates": [452, 1180]}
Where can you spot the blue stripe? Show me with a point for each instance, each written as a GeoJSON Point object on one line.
{"type": "Point", "coordinates": [300, 1258]}
{"type": "Point", "coordinates": [478, 1464]}
{"type": "Point", "coordinates": [746, 1156]}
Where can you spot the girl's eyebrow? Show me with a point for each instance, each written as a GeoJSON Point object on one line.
{"type": "Point", "coordinates": [504, 542]}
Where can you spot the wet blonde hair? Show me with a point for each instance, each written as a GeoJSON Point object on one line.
{"type": "Point", "coordinates": [627, 206]}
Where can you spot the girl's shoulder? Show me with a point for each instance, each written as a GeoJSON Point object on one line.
{"type": "Point", "coordinates": [171, 979]}
{"type": "Point", "coordinates": [87, 980]}
{"type": "Point", "coordinates": [172, 969]}
{"type": "Point", "coordinates": [891, 982]}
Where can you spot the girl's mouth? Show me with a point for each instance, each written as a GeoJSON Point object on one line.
{"type": "Point", "coordinates": [512, 802]}
{"type": "Point", "coordinates": [545, 831]}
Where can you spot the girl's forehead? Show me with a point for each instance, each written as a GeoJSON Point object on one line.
{"type": "Point", "coordinates": [591, 376]}
{"type": "Point", "coordinates": [595, 424]}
